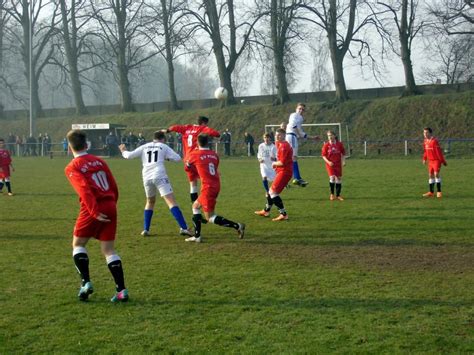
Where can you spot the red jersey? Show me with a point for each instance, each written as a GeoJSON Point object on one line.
{"type": "Point", "coordinates": [206, 162]}
{"type": "Point", "coordinates": [5, 158]}
{"type": "Point", "coordinates": [433, 150]}
{"type": "Point", "coordinates": [92, 180]}
{"type": "Point", "coordinates": [333, 151]}
{"type": "Point", "coordinates": [190, 133]}
{"type": "Point", "coordinates": [284, 155]}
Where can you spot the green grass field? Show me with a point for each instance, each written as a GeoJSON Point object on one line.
{"type": "Point", "coordinates": [384, 271]}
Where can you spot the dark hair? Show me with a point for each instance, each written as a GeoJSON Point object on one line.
{"type": "Point", "coordinates": [281, 130]}
{"type": "Point", "coordinates": [428, 129]}
{"type": "Point", "coordinates": [2, 140]}
{"type": "Point", "coordinates": [159, 135]}
{"type": "Point", "coordinates": [267, 135]}
{"type": "Point", "coordinates": [77, 140]}
{"type": "Point", "coordinates": [301, 104]}
{"type": "Point", "coordinates": [202, 119]}
{"type": "Point", "coordinates": [203, 140]}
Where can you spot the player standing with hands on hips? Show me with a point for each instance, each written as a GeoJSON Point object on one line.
{"type": "Point", "coordinates": [294, 131]}
{"type": "Point", "coordinates": [93, 181]}
{"type": "Point", "coordinates": [333, 153]}
{"type": "Point", "coordinates": [434, 155]}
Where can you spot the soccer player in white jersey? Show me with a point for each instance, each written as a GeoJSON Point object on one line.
{"type": "Point", "coordinates": [266, 155]}
{"type": "Point", "coordinates": [294, 131]}
{"type": "Point", "coordinates": [155, 179]}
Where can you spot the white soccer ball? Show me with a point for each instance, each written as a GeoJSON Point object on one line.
{"type": "Point", "coordinates": [220, 93]}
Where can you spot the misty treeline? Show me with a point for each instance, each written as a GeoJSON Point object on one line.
{"type": "Point", "coordinates": [64, 53]}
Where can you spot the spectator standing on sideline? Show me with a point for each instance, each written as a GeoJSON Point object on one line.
{"type": "Point", "coordinates": [179, 144]}
{"type": "Point", "coordinates": [206, 163]}
{"type": "Point", "coordinates": [93, 181]}
{"type": "Point", "coordinates": [5, 167]}
{"type": "Point", "coordinates": [65, 145]}
{"type": "Point", "coordinates": [249, 142]}
{"type": "Point", "coordinates": [435, 158]}
{"type": "Point", "coordinates": [141, 140]}
{"type": "Point", "coordinates": [31, 141]}
{"type": "Point", "coordinates": [155, 179]}
{"type": "Point", "coordinates": [226, 138]}
{"type": "Point", "coordinates": [333, 153]}
{"type": "Point", "coordinates": [111, 142]}
{"type": "Point", "coordinates": [170, 140]}
{"type": "Point", "coordinates": [284, 170]}
{"type": "Point", "coordinates": [132, 140]}
{"type": "Point", "coordinates": [11, 141]}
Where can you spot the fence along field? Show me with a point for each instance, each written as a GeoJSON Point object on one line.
{"type": "Point", "coordinates": [383, 271]}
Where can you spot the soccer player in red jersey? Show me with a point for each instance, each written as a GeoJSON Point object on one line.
{"type": "Point", "coordinates": [205, 162]}
{"type": "Point", "coordinates": [333, 153]}
{"type": "Point", "coordinates": [5, 166]}
{"type": "Point", "coordinates": [93, 181]}
{"type": "Point", "coordinates": [284, 171]}
{"type": "Point", "coordinates": [434, 155]}
{"type": "Point", "coordinates": [189, 134]}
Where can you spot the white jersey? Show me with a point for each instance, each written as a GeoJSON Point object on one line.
{"type": "Point", "coordinates": [294, 126]}
{"type": "Point", "coordinates": [153, 156]}
{"type": "Point", "coordinates": [268, 153]}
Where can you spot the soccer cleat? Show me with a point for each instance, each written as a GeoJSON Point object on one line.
{"type": "Point", "coordinates": [428, 194]}
{"type": "Point", "coordinates": [193, 239]}
{"type": "Point", "coordinates": [241, 230]}
{"type": "Point", "coordinates": [187, 232]}
{"type": "Point", "coordinates": [10, 194]}
{"type": "Point", "coordinates": [121, 296]}
{"type": "Point", "coordinates": [85, 291]}
{"type": "Point", "coordinates": [262, 213]}
{"type": "Point", "coordinates": [332, 197]}
{"type": "Point", "coordinates": [145, 233]}
{"type": "Point", "coordinates": [299, 182]}
{"type": "Point", "coordinates": [281, 217]}
{"type": "Point", "coordinates": [439, 195]}
{"type": "Point", "coordinates": [340, 198]}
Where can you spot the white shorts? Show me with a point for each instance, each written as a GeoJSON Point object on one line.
{"type": "Point", "coordinates": [267, 172]}
{"type": "Point", "coordinates": [161, 184]}
{"type": "Point", "coordinates": [293, 140]}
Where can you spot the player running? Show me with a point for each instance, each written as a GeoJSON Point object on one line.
{"type": "Point", "coordinates": [266, 155]}
{"type": "Point", "coordinates": [284, 170]}
{"type": "Point", "coordinates": [5, 167]}
{"type": "Point", "coordinates": [434, 155]}
{"type": "Point", "coordinates": [155, 178]}
{"type": "Point", "coordinates": [333, 153]}
{"type": "Point", "coordinates": [93, 181]}
{"type": "Point", "coordinates": [205, 162]}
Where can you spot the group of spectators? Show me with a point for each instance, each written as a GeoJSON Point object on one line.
{"type": "Point", "coordinates": [28, 146]}
{"type": "Point", "coordinates": [249, 141]}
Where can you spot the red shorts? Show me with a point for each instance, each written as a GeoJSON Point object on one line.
{"type": "Point", "coordinates": [89, 227]}
{"type": "Point", "coordinates": [208, 198]}
{"type": "Point", "coordinates": [4, 172]}
{"type": "Point", "coordinates": [281, 180]}
{"type": "Point", "coordinates": [434, 166]}
{"type": "Point", "coordinates": [192, 173]}
{"type": "Point", "coordinates": [335, 170]}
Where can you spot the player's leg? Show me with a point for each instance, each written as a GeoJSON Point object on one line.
{"type": "Point", "coordinates": [81, 262]}
{"type": "Point", "coordinates": [437, 178]}
{"type": "Point", "coordinates": [277, 187]}
{"type": "Point", "coordinates": [268, 206]}
{"type": "Point", "coordinates": [2, 183]}
{"type": "Point", "coordinates": [176, 213]}
{"type": "Point", "coordinates": [150, 193]}
{"type": "Point", "coordinates": [339, 188]}
{"type": "Point", "coordinates": [332, 186]}
{"type": "Point", "coordinates": [114, 263]}
{"type": "Point", "coordinates": [224, 222]}
{"type": "Point", "coordinates": [265, 184]}
{"type": "Point", "coordinates": [197, 222]}
{"type": "Point", "coordinates": [431, 182]}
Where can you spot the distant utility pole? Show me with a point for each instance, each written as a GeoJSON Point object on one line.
{"type": "Point", "coordinates": [32, 131]}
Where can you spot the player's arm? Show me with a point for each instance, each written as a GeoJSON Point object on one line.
{"type": "Point", "coordinates": [81, 186]}
{"type": "Point", "coordinates": [130, 155]}
{"type": "Point", "coordinates": [176, 128]}
{"type": "Point", "coordinates": [211, 132]}
{"type": "Point", "coordinates": [260, 154]}
{"type": "Point", "coordinates": [171, 155]}
{"type": "Point", "coordinates": [439, 153]}
{"type": "Point", "coordinates": [343, 155]}
{"type": "Point", "coordinates": [324, 153]}
{"type": "Point", "coordinates": [112, 183]}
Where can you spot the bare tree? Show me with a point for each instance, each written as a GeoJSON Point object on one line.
{"type": "Point", "coordinates": [339, 21]}
{"type": "Point", "coordinates": [229, 46]}
{"type": "Point", "coordinates": [44, 30]}
{"type": "Point", "coordinates": [122, 23]}
{"type": "Point", "coordinates": [455, 16]}
{"type": "Point", "coordinates": [320, 76]}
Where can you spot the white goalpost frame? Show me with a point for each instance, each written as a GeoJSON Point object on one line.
{"type": "Point", "coordinates": [338, 125]}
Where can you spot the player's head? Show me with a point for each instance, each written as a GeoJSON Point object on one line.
{"type": "Point", "coordinates": [331, 135]}
{"type": "Point", "coordinates": [280, 134]}
{"type": "Point", "coordinates": [159, 136]}
{"type": "Point", "coordinates": [300, 107]}
{"type": "Point", "coordinates": [203, 140]}
{"type": "Point", "coordinates": [267, 138]}
{"type": "Point", "coordinates": [427, 132]}
{"type": "Point", "coordinates": [203, 120]}
{"type": "Point", "coordinates": [77, 140]}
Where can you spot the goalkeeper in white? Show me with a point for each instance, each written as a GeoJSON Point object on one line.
{"type": "Point", "coordinates": [266, 155]}
{"type": "Point", "coordinates": [155, 179]}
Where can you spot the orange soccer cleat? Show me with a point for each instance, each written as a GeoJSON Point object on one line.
{"type": "Point", "coordinates": [332, 197]}
{"type": "Point", "coordinates": [428, 194]}
{"type": "Point", "coordinates": [262, 213]}
{"type": "Point", "coordinates": [439, 195]}
{"type": "Point", "coordinates": [281, 217]}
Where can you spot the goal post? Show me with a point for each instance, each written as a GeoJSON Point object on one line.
{"type": "Point", "coordinates": [309, 148]}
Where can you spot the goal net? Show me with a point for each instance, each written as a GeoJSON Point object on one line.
{"type": "Point", "coordinates": [310, 148]}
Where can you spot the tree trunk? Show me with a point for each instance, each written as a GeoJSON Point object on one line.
{"type": "Point", "coordinates": [124, 83]}
{"type": "Point", "coordinates": [169, 58]}
{"type": "Point", "coordinates": [280, 71]}
{"type": "Point", "coordinates": [405, 52]}
{"type": "Point", "coordinates": [278, 43]}
{"type": "Point", "coordinates": [72, 57]}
